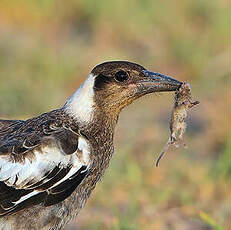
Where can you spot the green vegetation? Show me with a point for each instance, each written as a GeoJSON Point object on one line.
{"type": "Point", "coordinates": [47, 48]}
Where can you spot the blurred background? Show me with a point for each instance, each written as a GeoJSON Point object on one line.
{"type": "Point", "coordinates": [48, 47]}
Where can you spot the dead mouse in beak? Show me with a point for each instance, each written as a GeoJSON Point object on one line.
{"type": "Point", "coordinates": [183, 102]}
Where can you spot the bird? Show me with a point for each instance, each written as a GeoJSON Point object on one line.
{"type": "Point", "coordinates": [50, 164]}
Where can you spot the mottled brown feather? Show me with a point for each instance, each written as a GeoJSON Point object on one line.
{"type": "Point", "coordinates": [19, 140]}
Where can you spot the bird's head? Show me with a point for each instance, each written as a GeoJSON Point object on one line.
{"type": "Point", "coordinates": [118, 83]}
{"type": "Point", "coordinates": [113, 85]}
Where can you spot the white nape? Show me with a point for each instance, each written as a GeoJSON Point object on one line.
{"type": "Point", "coordinates": [81, 103]}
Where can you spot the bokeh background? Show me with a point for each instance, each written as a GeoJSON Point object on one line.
{"type": "Point", "coordinates": [47, 48]}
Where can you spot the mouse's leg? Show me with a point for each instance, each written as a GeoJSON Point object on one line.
{"type": "Point", "coordinates": [181, 132]}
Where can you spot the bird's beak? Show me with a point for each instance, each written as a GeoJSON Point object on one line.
{"type": "Point", "coordinates": [157, 82]}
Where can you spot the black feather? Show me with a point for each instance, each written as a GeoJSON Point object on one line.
{"type": "Point", "coordinates": [47, 177]}
{"type": "Point", "coordinates": [62, 173]}
{"type": "Point", "coordinates": [60, 193]}
{"type": "Point", "coordinates": [101, 81]}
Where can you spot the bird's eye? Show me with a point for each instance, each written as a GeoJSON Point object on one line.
{"type": "Point", "coordinates": [121, 76]}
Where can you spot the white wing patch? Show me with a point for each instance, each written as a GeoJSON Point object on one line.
{"type": "Point", "coordinates": [84, 148]}
{"type": "Point", "coordinates": [17, 175]}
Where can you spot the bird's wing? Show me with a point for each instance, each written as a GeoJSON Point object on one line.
{"type": "Point", "coordinates": [41, 161]}
{"type": "Point", "coordinates": [5, 124]}
{"type": "Point", "coordinates": [8, 126]}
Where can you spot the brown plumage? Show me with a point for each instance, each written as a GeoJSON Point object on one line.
{"type": "Point", "coordinates": [50, 164]}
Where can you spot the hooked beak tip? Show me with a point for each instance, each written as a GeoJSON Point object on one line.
{"type": "Point", "coordinates": [160, 82]}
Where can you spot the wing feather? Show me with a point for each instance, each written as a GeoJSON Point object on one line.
{"type": "Point", "coordinates": [42, 160]}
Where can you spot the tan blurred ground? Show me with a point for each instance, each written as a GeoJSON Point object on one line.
{"type": "Point", "coordinates": [47, 47]}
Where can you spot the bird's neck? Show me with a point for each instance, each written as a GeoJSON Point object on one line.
{"type": "Point", "coordinates": [95, 120]}
{"type": "Point", "coordinates": [85, 108]}
{"type": "Point", "coordinates": [100, 134]}
{"type": "Point", "coordinates": [81, 104]}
